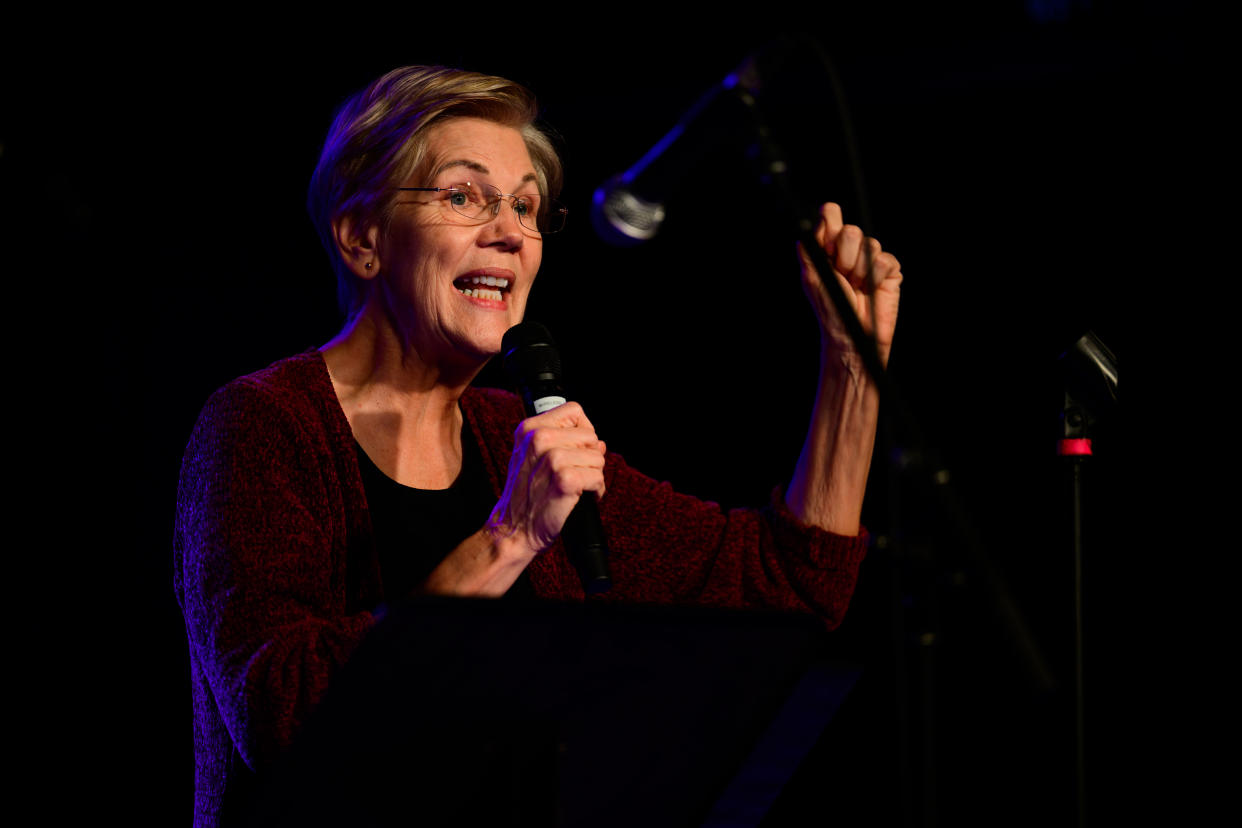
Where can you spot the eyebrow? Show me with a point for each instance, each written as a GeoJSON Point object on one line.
{"type": "Point", "coordinates": [477, 167]}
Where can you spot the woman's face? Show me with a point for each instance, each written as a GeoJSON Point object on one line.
{"type": "Point", "coordinates": [431, 256]}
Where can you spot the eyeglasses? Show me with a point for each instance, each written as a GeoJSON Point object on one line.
{"type": "Point", "coordinates": [481, 203]}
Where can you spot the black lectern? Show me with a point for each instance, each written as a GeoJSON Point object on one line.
{"type": "Point", "coordinates": [464, 712]}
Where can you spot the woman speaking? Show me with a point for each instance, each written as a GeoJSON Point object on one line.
{"type": "Point", "coordinates": [368, 470]}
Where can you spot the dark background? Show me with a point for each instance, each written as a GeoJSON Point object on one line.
{"type": "Point", "coordinates": [1016, 158]}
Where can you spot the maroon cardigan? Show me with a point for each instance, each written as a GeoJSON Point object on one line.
{"type": "Point", "coordinates": [278, 578]}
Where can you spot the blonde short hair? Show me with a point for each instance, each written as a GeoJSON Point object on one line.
{"type": "Point", "coordinates": [378, 140]}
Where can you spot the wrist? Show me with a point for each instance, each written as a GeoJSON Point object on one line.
{"type": "Point", "coordinates": [507, 544]}
{"type": "Point", "coordinates": [484, 564]}
{"type": "Point", "coordinates": [838, 352]}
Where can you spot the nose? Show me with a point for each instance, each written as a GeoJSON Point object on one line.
{"type": "Point", "coordinates": [504, 230]}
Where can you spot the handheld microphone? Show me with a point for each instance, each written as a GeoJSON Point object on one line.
{"type": "Point", "coordinates": [534, 366]}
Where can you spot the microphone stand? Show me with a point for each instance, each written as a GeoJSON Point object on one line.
{"type": "Point", "coordinates": [914, 459]}
{"type": "Point", "coordinates": [1090, 374]}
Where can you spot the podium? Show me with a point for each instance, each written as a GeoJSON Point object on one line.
{"type": "Point", "coordinates": [471, 712]}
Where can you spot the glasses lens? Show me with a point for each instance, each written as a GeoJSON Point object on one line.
{"type": "Point", "coordinates": [473, 200]}
{"type": "Point", "coordinates": [481, 202]}
{"type": "Point", "coordinates": [551, 216]}
{"type": "Point", "coordinates": [526, 206]}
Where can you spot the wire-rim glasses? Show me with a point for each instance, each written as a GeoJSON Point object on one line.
{"type": "Point", "coordinates": [481, 203]}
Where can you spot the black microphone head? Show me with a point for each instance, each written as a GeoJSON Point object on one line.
{"type": "Point", "coordinates": [530, 354]}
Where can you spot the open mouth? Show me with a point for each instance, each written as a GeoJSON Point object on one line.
{"type": "Point", "coordinates": [494, 288]}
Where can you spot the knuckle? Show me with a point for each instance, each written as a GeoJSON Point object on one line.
{"type": "Point", "coordinates": [555, 461]}
{"type": "Point", "coordinates": [540, 440]}
{"type": "Point", "coordinates": [565, 482]}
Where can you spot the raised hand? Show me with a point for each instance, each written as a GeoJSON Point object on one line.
{"type": "Point", "coordinates": [870, 278]}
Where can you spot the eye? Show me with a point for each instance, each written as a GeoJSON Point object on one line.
{"type": "Point", "coordinates": [459, 198]}
{"type": "Point", "coordinates": [525, 205]}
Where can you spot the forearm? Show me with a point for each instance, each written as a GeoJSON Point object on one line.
{"type": "Point", "coordinates": [831, 476]}
{"type": "Point", "coordinates": [485, 564]}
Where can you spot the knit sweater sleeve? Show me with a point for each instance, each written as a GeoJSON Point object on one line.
{"type": "Point", "coordinates": [670, 548]}
{"type": "Point", "coordinates": [261, 564]}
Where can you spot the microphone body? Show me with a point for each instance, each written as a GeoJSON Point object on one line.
{"type": "Point", "coordinates": [534, 366]}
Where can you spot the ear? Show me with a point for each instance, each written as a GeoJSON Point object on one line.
{"type": "Point", "coordinates": [358, 245]}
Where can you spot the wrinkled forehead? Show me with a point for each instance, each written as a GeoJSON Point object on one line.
{"type": "Point", "coordinates": [471, 149]}
{"type": "Point", "coordinates": [456, 170]}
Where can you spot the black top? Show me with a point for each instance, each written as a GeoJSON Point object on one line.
{"type": "Point", "coordinates": [415, 529]}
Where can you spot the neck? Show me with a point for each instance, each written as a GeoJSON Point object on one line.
{"type": "Point", "coordinates": [373, 349]}
{"type": "Point", "coordinates": [402, 409]}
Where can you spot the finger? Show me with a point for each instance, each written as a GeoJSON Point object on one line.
{"type": "Point", "coordinates": [578, 481]}
{"type": "Point", "coordinates": [826, 232]}
{"type": "Point", "coordinates": [543, 440]}
{"type": "Point", "coordinates": [566, 415]}
{"type": "Point", "coordinates": [830, 224]}
{"type": "Point", "coordinates": [849, 251]}
{"type": "Point", "coordinates": [561, 459]}
{"type": "Point", "coordinates": [886, 269]}
{"type": "Point", "coordinates": [598, 486]}
{"type": "Point", "coordinates": [566, 474]}
{"type": "Point", "coordinates": [864, 269]}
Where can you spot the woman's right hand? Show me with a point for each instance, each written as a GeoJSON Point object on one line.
{"type": "Point", "coordinates": [556, 459]}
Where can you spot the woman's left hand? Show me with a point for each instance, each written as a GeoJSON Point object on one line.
{"type": "Point", "coordinates": [870, 278]}
{"type": "Point", "coordinates": [831, 476]}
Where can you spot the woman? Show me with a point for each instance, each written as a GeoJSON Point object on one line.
{"type": "Point", "coordinates": [327, 484]}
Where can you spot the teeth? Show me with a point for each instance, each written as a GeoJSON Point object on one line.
{"type": "Point", "coordinates": [485, 287]}
{"type": "Point", "coordinates": [482, 293]}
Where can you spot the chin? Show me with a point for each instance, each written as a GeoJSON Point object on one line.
{"type": "Point", "coordinates": [485, 342]}
{"type": "Point", "coordinates": [480, 338]}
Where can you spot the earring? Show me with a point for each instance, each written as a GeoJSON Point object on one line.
{"type": "Point", "coordinates": [368, 265]}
